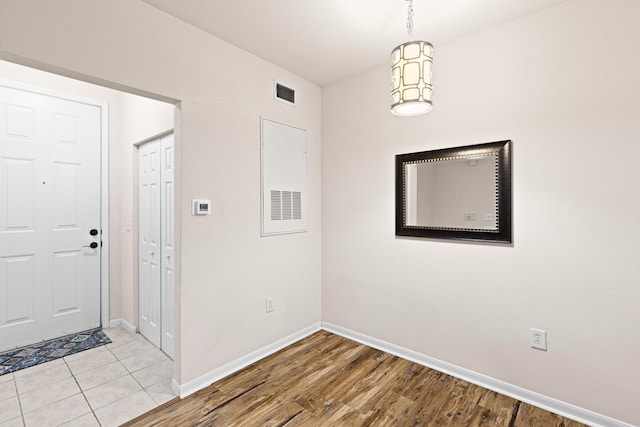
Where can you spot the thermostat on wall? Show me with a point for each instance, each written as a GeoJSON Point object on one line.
{"type": "Point", "coordinates": [201, 207]}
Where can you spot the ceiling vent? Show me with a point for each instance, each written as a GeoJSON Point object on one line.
{"type": "Point", "coordinates": [284, 94]}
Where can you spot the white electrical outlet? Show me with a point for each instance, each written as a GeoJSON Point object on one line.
{"type": "Point", "coordinates": [538, 339]}
{"type": "Point", "coordinates": [269, 306]}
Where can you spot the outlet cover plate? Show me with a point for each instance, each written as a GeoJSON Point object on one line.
{"type": "Point", "coordinates": [269, 306]}
{"type": "Point", "coordinates": [538, 338]}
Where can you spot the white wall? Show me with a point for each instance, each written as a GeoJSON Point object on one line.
{"type": "Point", "coordinates": [130, 117]}
{"type": "Point", "coordinates": [225, 270]}
{"type": "Point", "coordinates": [563, 85]}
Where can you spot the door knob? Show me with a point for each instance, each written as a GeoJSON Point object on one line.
{"type": "Point", "coordinates": [93, 232]}
{"type": "Point", "coordinates": [92, 245]}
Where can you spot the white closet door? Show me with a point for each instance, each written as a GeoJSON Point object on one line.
{"type": "Point", "coordinates": [156, 282]}
{"type": "Point", "coordinates": [49, 203]}
{"type": "Point", "coordinates": [149, 241]}
{"type": "Point", "coordinates": [166, 238]}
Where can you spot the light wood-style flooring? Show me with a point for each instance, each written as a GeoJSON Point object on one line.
{"type": "Point", "coordinates": [328, 380]}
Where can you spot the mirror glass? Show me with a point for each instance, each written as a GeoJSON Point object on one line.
{"type": "Point", "coordinates": [452, 193]}
{"type": "Point", "coordinates": [457, 193]}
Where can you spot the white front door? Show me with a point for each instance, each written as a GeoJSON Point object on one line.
{"type": "Point", "coordinates": [156, 280]}
{"type": "Point", "coordinates": [49, 205]}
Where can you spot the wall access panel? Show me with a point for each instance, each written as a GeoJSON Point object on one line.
{"type": "Point", "coordinates": [284, 178]}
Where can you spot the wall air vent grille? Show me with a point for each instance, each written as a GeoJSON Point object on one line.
{"type": "Point", "coordinates": [285, 94]}
{"type": "Point", "coordinates": [286, 205]}
{"type": "Point", "coordinates": [276, 206]}
{"type": "Point", "coordinates": [296, 197]}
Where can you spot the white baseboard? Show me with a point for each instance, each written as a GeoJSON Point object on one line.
{"type": "Point", "coordinates": [209, 378]}
{"type": "Point", "coordinates": [552, 405]}
{"type": "Point", "coordinates": [114, 323]}
{"type": "Point", "coordinates": [128, 327]}
{"type": "Point", "coordinates": [175, 387]}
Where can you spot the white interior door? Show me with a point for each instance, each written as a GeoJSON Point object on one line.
{"type": "Point", "coordinates": [149, 241]}
{"type": "Point", "coordinates": [49, 203]}
{"type": "Point", "coordinates": [166, 239]}
{"type": "Point", "coordinates": [156, 281]}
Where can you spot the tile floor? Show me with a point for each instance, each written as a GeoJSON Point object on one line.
{"type": "Point", "coordinates": [105, 386]}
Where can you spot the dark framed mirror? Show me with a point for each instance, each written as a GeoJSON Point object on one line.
{"type": "Point", "coordinates": [461, 193]}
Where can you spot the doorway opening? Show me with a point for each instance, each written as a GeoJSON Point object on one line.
{"type": "Point", "coordinates": [131, 118]}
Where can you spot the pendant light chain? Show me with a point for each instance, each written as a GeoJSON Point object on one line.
{"type": "Point", "coordinates": [410, 19]}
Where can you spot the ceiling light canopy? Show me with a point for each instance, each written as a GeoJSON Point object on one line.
{"type": "Point", "coordinates": [411, 72]}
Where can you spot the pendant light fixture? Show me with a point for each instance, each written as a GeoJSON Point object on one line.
{"type": "Point", "coordinates": [411, 71]}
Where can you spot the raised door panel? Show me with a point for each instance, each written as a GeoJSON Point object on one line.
{"type": "Point", "coordinates": [17, 195]}
{"type": "Point", "coordinates": [16, 290]}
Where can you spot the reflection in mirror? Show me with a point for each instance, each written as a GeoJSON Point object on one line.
{"type": "Point", "coordinates": [452, 193]}
{"type": "Point", "coordinates": [457, 193]}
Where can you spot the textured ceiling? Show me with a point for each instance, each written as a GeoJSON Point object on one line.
{"type": "Point", "coordinates": [325, 41]}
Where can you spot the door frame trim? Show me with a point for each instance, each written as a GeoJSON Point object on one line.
{"type": "Point", "coordinates": [104, 180]}
{"type": "Point", "coordinates": [104, 212]}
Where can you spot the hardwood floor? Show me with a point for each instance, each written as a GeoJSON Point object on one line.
{"type": "Point", "coordinates": [327, 380]}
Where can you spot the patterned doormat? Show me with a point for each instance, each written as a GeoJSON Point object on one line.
{"type": "Point", "coordinates": [46, 351]}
